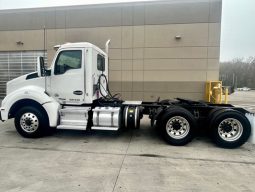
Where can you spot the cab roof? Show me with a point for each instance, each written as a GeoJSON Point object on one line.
{"type": "Point", "coordinates": [79, 45]}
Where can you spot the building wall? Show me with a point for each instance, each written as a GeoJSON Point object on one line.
{"type": "Point", "coordinates": [146, 61]}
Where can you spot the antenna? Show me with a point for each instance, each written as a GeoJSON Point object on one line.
{"type": "Point", "coordinates": [44, 43]}
{"type": "Point", "coordinates": [44, 54]}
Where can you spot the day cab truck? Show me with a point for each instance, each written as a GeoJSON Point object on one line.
{"type": "Point", "coordinates": [74, 94]}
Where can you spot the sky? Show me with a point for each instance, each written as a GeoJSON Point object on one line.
{"type": "Point", "coordinates": [237, 30]}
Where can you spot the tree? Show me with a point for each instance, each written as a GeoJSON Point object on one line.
{"type": "Point", "coordinates": [238, 72]}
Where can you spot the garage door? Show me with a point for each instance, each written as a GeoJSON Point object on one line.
{"type": "Point", "coordinates": [14, 64]}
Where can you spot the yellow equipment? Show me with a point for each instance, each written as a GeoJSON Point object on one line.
{"type": "Point", "coordinates": [214, 92]}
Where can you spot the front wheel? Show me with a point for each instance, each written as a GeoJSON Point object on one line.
{"type": "Point", "coordinates": [31, 122]}
{"type": "Point", "coordinates": [177, 126]}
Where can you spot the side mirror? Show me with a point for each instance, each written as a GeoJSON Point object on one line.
{"type": "Point", "coordinates": [40, 66]}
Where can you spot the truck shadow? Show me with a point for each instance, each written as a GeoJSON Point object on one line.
{"type": "Point", "coordinates": [145, 133]}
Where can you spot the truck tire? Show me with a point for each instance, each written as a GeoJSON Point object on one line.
{"type": "Point", "coordinates": [31, 122]}
{"type": "Point", "coordinates": [210, 118]}
{"type": "Point", "coordinates": [177, 126]}
{"type": "Point", "coordinates": [229, 128]}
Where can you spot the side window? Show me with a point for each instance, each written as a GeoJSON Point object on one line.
{"type": "Point", "coordinates": [67, 60]}
{"type": "Point", "coordinates": [100, 63]}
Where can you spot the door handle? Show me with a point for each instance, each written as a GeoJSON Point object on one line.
{"type": "Point", "coordinates": [78, 92]}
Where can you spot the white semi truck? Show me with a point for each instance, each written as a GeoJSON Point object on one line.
{"type": "Point", "coordinates": [74, 94]}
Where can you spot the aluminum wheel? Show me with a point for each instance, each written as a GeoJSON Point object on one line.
{"type": "Point", "coordinates": [29, 122]}
{"type": "Point", "coordinates": [177, 127]}
{"type": "Point", "coordinates": [230, 129]}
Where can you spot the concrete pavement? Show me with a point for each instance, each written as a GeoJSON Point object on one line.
{"type": "Point", "coordinates": [245, 99]}
{"type": "Point", "coordinates": [131, 161]}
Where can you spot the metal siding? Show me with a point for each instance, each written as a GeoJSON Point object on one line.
{"type": "Point", "coordinates": [50, 19]}
{"type": "Point", "coordinates": [139, 14]}
{"type": "Point", "coordinates": [23, 21]}
{"type": "Point", "coordinates": [161, 12]}
{"type": "Point", "coordinates": [177, 12]}
{"type": "Point", "coordinates": [215, 11]}
{"type": "Point", "coordinates": [93, 17]}
{"type": "Point", "coordinates": [37, 20]}
{"type": "Point", "coordinates": [2, 21]}
{"type": "Point", "coordinates": [60, 19]}
{"type": "Point", "coordinates": [16, 63]}
{"type": "Point", "coordinates": [127, 15]}
{"type": "Point", "coordinates": [5, 22]}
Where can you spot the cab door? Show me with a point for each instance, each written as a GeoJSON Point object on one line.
{"type": "Point", "coordinates": [67, 79]}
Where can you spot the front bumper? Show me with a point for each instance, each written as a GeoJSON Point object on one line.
{"type": "Point", "coordinates": [1, 109]}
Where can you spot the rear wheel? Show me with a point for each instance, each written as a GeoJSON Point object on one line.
{"type": "Point", "coordinates": [177, 126]}
{"type": "Point", "coordinates": [230, 129]}
{"type": "Point", "coordinates": [31, 122]}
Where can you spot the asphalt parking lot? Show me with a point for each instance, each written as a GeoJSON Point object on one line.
{"type": "Point", "coordinates": [132, 161]}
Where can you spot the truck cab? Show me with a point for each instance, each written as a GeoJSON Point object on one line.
{"type": "Point", "coordinates": [71, 81]}
{"type": "Point", "coordinates": [72, 77]}
{"type": "Point", "coordinates": [74, 74]}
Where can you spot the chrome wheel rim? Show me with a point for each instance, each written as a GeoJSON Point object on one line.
{"type": "Point", "coordinates": [177, 127]}
{"type": "Point", "coordinates": [230, 129]}
{"type": "Point", "coordinates": [29, 122]}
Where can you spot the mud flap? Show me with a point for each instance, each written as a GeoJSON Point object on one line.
{"type": "Point", "coordinates": [251, 118]}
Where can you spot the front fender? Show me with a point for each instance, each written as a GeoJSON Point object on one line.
{"type": "Point", "coordinates": [36, 94]}
{"type": "Point", "coordinates": [52, 109]}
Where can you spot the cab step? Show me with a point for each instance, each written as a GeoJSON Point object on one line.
{"type": "Point", "coordinates": [77, 127]}
{"type": "Point", "coordinates": [73, 118]}
{"type": "Point", "coordinates": [105, 128]}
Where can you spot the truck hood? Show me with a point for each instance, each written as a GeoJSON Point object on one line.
{"type": "Point", "coordinates": [23, 81]}
{"type": "Point", "coordinates": [14, 82]}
